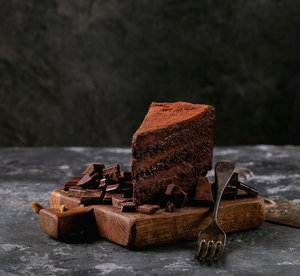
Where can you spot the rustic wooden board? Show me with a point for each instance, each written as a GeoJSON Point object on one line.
{"type": "Point", "coordinates": [136, 230]}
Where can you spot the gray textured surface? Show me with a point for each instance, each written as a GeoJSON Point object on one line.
{"type": "Point", "coordinates": [27, 175]}
{"type": "Point", "coordinates": [84, 72]}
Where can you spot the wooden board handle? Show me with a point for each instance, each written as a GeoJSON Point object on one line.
{"type": "Point", "coordinates": [286, 213]}
{"type": "Point", "coordinates": [61, 223]}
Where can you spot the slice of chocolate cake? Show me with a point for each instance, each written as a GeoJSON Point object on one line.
{"type": "Point", "coordinates": [173, 145]}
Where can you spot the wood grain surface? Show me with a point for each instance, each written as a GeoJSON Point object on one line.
{"type": "Point", "coordinates": [137, 230]}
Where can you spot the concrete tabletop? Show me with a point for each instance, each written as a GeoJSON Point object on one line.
{"type": "Point", "coordinates": [31, 174]}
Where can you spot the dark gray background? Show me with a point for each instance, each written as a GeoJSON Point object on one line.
{"type": "Point", "coordinates": [84, 72]}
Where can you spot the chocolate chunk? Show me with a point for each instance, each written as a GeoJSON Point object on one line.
{"type": "Point", "coordinates": [112, 188]}
{"type": "Point", "coordinates": [116, 201]}
{"type": "Point", "coordinates": [126, 175]}
{"type": "Point", "coordinates": [107, 199]}
{"type": "Point", "coordinates": [128, 192]}
{"type": "Point", "coordinates": [117, 195]}
{"type": "Point", "coordinates": [175, 194]}
{"type": "Point", "coordinates": [203, 190]}
{"type": "Point", "coordinates": [92, 197]}
{"type": "Point", "coordinates": [170, 207]}
{"type": "Point", "coordinates": [181, 199]}
{"type": "Point", "coordinates": [112, 172]}
{"type": "Point", "coordinates": [85, 180]}
{"type": "Point", "coordinates": [90, 181]}
{"type": "Point", "coordinates": [71, 182]}
{"type": "Point", "coordinates": [76, 191]}
{"type": "Point", "coordinates": [148, 209]}
{"type": "Point", "coordinates": [94, 168]}
{"type": "Point", "coordinates": [115, 168]}
{"type": "Point", "coordinates": [249, 190]}
{"type": "Point", "coordinates": [102, 183]}
{"type": "Point", "coordinates": [230, 193]}
{"type": "Point", "coordinates": [87, 193]}
{"type": "Point", "coordinates": [128, 207]}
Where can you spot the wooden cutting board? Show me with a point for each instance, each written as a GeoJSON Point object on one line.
{"type": "Point", "coordinates": [137, 231]}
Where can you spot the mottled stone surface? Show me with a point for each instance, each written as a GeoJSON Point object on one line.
{"type": "Point", "coordinates": [28, 174]}
{"type": "Point", "coordinates": [84, 72]}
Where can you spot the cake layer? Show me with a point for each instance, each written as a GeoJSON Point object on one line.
{"type": "Point", "coordinates": [181, 135]}
{"type": "Point", "coordinates": [154, 127]}
{"type": "Point", "coordinates": [184, 156]}
{"type": "Point", "coordinates": [173, 145]}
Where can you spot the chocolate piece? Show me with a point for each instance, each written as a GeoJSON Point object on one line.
{"type": "Point", "coordinates": [76, 191]}
{"type": "Point", "coordinates": [182, 199]}
{"type": "Point", "coordinates": [112, 188]}
{"type": "Point", "coordinates": [107, 199]}
{"type": "Point", "coordinates": [102, 183]}
{"type": "Point", "coordinates": [249, 190]}
{"type": "Point", "coordinates": [71, 182]}
{"type": "Point", "coordinates": [126, 175]}
{"type": "Point", "coordinates": [242, 194]}
{"type": "Point", "coordinates": [234, 181]}
{"type": "Point", "coordinates": [85, 180]}
{"type": "Point", "coordinates": [230, 193]}
{"type": "Point", "coordinates": [92, 197]}
{"type": "Point", "coordinates": [175, 194]}
{"type": "Point", "coordinates": [203, 194]}
{"type": "Point", "coordinates": [173, 145]}
{"type": "Point", "coordinates": [93, 168]}
{"type": "Point", "coordinates": [117, 195]}
{"type": "Point", "coordinates": [148, 209]}
{"type": "Point", "coordinates": [112, 172]}
{"type": "Point", "coordinates": [86, 195]}
{"type": "Point", "coordinates": [90, 181]}
{"type": "Point", "coordinates": [116, 201]}
{"type": "Point", "coordinates": [127, 184]}
{"type": "Point", "coordinates": [128, 207]}
{"type": "Point", "coordinates": [170, 207]}
{"type": "Point", "coordinates": [203, 190]}
{"type": "Point", "coordinates": [127, 192]}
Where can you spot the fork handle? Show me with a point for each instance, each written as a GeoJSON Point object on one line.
{"type": "Point", "coordinates": [223, 173]}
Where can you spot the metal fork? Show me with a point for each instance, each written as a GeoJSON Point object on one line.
{"type": "Point", "coordinates": [211, 240]}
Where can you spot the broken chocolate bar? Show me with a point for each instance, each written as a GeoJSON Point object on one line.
{"type": "Point", "coordinates": [175, 195]}
{"type": "Point", "coordinates": [112, 172]}
{"type": "Point", "coordinates": [94, 168]}
{"type": "Point", "coordinates": [84, 180]}
{"type": "Point", "coordinates": [116, 201]}
{"type": "Point", "coordinates": [91, 198]}
{"type": "Point", "coordinates": [71, 182]}
{"type": "Point", "coordinates": [128, 207]}
{"type": "Point", "coordinates": [102, 183]}
{"type": "Point", "coordinates": [148, 209]}
{"type": "Point", "coordinates": [112, 188]}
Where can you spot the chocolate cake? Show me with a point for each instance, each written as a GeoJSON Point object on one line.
{"type": "Point", "coordinates": [173, 145]}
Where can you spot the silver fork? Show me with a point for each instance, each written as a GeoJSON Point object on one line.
{"type": "Point", "coordinates": [211, 240]}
